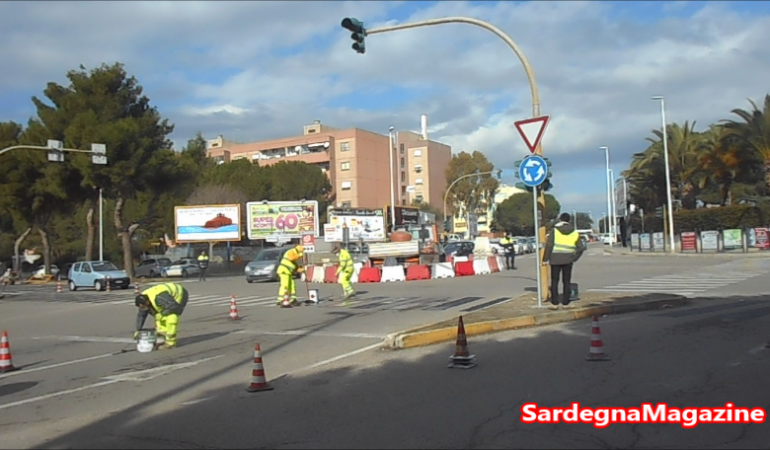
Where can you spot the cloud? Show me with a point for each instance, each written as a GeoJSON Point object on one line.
{"type": "Point", "coordinates": [260, 70]}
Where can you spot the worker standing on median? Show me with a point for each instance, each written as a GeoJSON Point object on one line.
{"type": "Point", "coordinates": [203, 265]}
{"type": "Point", "coordinates": [165, 302]}
{"type": "Point", "coordinates": [562, 249]}
{"type": "Point", "coordinates": [345, 271]}
{"type": "Point", "coordinates": [510, 251]}
{"type": "Point", "coordinates": [291, 263]}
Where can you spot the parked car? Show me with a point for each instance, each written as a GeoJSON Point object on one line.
{"type": "Point", "coordinates": [182, 268]}
{"type": "Point", "coordinates": [151, 267]}
{"type": "Point", "coordinates": [263, 266]}
{"type": "Point", "coordinates": [39, 273]}
{"type": "Point", "coordinates": [459, 248]}
{"type": "Point", "coordinates": [97, 274]}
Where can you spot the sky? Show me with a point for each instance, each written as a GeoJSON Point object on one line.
{"type": "Point", "coordinates": [252, 71]}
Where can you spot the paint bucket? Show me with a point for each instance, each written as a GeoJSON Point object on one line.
{"type": "Point", "coordinates": [146, 341]}
{"type": "Point", "coordinates": [313, 296]}
{"type": "Point", "coordinates": [574, 292]}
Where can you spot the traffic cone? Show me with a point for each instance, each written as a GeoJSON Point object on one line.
{"type": "Point", "coordinates": [286, 303]}
{"type": "Point", "coordinates": [6, 361]}
{"type": "Point", "coordinates": [462, 359]}
{"type": "Point", "coordinates": [258, 380]}
{"type": "Point", "coordinates": [596, 351]}
{"type": "Point", "coordinates": [109, 288]}
{"type": "Point", "coordinates": [137, 290]}
{"type": "Point", "coordinates": [233, 309]}
{"type": "Point", "coordinates": [58, 287]}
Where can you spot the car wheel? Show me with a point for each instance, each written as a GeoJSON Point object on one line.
{"type": "Point", "coordinates": [249, 281]}
{"type": "Point", "coordinates": [72, 286]}
{"type": "Point", "coordinates": [98, 286]}
{"type": "Point", "coordinates": [185, 274]}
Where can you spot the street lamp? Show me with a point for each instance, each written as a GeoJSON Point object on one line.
{"type": "Point", "coordinates": [668, 172]}
{"type": "Point", "coordinates": [392, 193]}
{"type": "Point", "coordinates": [609, 194]}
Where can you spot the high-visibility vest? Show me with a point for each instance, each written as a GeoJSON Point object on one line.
{"type": "Point", "coordinates": [346, 261]}
{"type": "Point", "coordinates": [565, 243]}
{"type": "Point", "coordinates": [290, 258]}
{"type": "Point", "coordinates": [173, 289]}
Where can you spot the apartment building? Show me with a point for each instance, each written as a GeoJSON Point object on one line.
{"type": "Point", "coordinates": [356, 162]}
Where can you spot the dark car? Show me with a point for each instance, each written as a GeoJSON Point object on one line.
{"type": "Point", "coordinates": [459, 248]}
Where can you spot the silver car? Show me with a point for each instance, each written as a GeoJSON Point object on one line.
{"type": "Point", "coordinates": [263, 266]}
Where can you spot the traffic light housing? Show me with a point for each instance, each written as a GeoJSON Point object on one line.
{"type": "Point", "coordinates": [356, 27]}
{"type": "Point", "coordinates": [546, 185]}
{"type": "Point", "coordinates": [524, 187]}
{"type": "Point", "coordinates": [447, 225]}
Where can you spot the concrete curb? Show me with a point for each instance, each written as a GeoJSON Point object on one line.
{"type": "Point", "coordinates": [690, 255]}
{"type": "Point", "coordinates": [416, 338]}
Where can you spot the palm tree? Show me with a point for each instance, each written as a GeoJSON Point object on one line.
{"type": "Point", "coordinates": [754, 132]}
{"type": "Point", "coordinates": [719, 162]}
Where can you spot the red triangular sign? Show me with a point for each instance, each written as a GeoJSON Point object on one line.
{"type": "Point", "coordinates": [532, 130]}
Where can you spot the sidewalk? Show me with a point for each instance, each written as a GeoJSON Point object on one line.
{"type": "Point", "coordinates": [523, 312]}
{"type": "Point", "coordinates": [626, 251]}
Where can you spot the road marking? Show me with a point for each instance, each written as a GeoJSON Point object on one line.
{"type": "Point", "coordinates": [132, 376]}
{"type": "Point", "coordinates": [336, 358]}
{"type": "Point", "coordinates": [54, 366]}
{"type": "Point", "coordinates": [312, 333]}
{"type": "Point", "coordinates": [98, 339]}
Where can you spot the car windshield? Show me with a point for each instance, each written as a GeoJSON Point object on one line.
{"type": "Point", "coordinates": [103, 266]}
{"type": "Point", "coordinates": [270, 255]}
{"type": "Point", "coordinates": [181, 262]}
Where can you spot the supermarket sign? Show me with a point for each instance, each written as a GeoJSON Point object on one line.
{"type": "Point", "coordinates": [286, 220]}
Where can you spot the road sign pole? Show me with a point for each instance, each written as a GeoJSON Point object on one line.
{"type": "Point", "coordinates": [538, 255]}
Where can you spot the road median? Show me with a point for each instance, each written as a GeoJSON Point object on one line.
{"type": "Point", "coordinates": [523, 312]}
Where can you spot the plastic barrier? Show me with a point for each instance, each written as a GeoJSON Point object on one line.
{"type": "Point", "coordinates": [392, 273]}
{"type": "Point", "coordinates": [356, 270]}
{"type": "Point", "coordinates": [443, 270]}
{"type": "Point", "coordinates": [493, 264]}
{"type": "Point", "coordinates": [417, 272]}
{"type": "Point", "coordinates": [307, 275]}
{"type": "Point", "coordinates": [330, 275]}
{"type": "Point", "coordinates": [318, 274]}
{"type": "Point", "coordinates": [464, 269]}
{"type": "Point", "coordinates": [481, 266]}
{"type": "Point", "coordinates": [370, 275]}
{"type": "Point", "coordinates": [459, 259]}
{"type": "Point", "coordinates": [501, 263]}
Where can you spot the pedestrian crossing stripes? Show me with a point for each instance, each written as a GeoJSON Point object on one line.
{"type": "Point", "coordinates": [358, 303]}
{"type": "Point", "coordinates": [693, 282]}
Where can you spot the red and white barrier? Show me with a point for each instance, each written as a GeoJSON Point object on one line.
{"type": "Point", "coordinates": [318, 274]}
{"type": "Point", "coordinates": [442, 270]}
{"type": "Point", "coordinates": [392, 273]}
{"type": "Point", "coordinates": [481, 267]}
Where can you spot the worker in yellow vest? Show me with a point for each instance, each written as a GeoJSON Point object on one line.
{"type": "Point", "coordinates": [290, 264]}
{"type": "Point", "coordinates": [562, 249]}
{"type": "Point", "coordinates": [203, 265]}
{"type": "Point", "coordinates": [165, 302]}
{"type": "Point", "coordinates": [345, 271]}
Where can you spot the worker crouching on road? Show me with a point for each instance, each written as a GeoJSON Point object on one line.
{"type": "Point", "coordinates": [345, 271]}
{"type": "Point", "coordinates": [562, 249]}
{"type": "Point", "coordinates": [165, 302]}
{"type": "Point", "coordinates": [291, 263]}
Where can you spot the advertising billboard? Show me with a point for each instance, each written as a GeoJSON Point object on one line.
{"type": "Point", "coordinates": [209, 223]}
{"type": "Point", "coordinates": [287, 220]}
{"type": "Point", "coordinates": [363, 224]}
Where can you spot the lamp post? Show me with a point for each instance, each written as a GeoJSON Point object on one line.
{"type": "Point", "coordinates": [101, 226]}
{"type": "Point", "coordinates": [609, 194]}
{"type": "Point", "coordinates": [668, 172]}
{"type": "Point", "coordinates": [392, 193]}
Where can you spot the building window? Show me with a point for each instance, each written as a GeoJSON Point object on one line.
{"type": "Point", "coordinates": [418, 181]}
{"type": "Point", "coordinates": [403, 202]}
{"type": "Point", "coordinates": [418, 168]}
{"type": "Point", "coordinates": [403, 190]}
{"type": "Point", "coordinates": [345, 166]}
{"type": "Point", "coordinates": [344, 146]}
{"type": "Point", "coordinates": [418, 197]}
{"type": "Point", "coordinates": [403, 176]}
{"type": "Point", "coordinates": [403, 163]}
{"type": "Point", "coordinates": [401, 148]}
{"type": "Point", "coordinates": [345, 204]}
{"type": "Point", "coordinates": [418, 153]}
{"type": "Point", "coordinates": [346, 185]}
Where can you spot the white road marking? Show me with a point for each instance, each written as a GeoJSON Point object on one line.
{"type": "Point", "coordinates": [54, 366]}
{"type": "Point", "coordinates": [132, 376]}
{"type": "Point", "coordinates": [336, 358]}
{"type": "Point", "coordinates": [98, 339]}
{"type": "Point", "coordinates": [312, 333]}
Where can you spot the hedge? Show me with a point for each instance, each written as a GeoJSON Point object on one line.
{"type": "Point", "coordinates": [725, 218]}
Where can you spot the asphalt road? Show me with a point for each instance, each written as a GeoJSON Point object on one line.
{"type": "Point", "coordinates": [78, 389]}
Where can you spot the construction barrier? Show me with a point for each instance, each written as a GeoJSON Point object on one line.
{"type": "Point", "coordinates": [318, 274]}
{"type": "Point", "coordinates": [307, 275]}
{"type": "Point", "coordinates": [500, 262]}
{"type": "Point", "coordinates": [464, 269]}
{"type": "Point", "coordinates": [443, 270]}
{"type": "Point", "coordinates": [370, 275]}
{"type": "Point", "coordinates": [458, 259]}
{"type": "Point", "coordinates": [492, 260]}
{"type": "Point", "coordinates": [330, 275]}
{"type": "Point", "coordinates": [392, 273]}
{"type": "Point", "coordinates": [481, 267]}
{"type": "Point", "coordinates": [356, 271]}
{"type": "Point", "coordinates": [417, 272]}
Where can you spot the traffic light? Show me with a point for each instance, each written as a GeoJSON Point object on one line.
{"type": "Point", "coordinates": [546, 185]}
{"type": "Point", "coordinates": [517, 164]}
{"type": "Point", "coordinates": [356, 27]}
{"type": "Point", "coordinates": [523, 187]}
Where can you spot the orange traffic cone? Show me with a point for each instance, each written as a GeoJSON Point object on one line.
{"type": "Point", "coordinates": [6, 361]}
{"type": "Point", "coordinates": [258, 380]}
{"type": "Point", "coordinates": [233, 309]}
{"type": "Point", "coordinates": [286, 303]}
{"type": "Point", "coordinates": [596, 351]}
{"type": "Point", "coordinates": [462, 359]}
{"type": "Point", "coordinates": [137, 290]}
{"type": "Point", "coordinates": [58, 287]}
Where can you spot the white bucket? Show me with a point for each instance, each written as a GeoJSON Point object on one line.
{"type": "Point", "coordinates": [146, 342]}
{"type": "Point", "coordinates": [313, 295]}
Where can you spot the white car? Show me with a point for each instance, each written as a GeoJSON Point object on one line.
{"type": "Point", "coordinates": [181, 268]}
{"type": "Point", "coordinates": [39, 273]}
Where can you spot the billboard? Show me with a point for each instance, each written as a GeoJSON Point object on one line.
{"type": "Point", "coordinates": [287, 220]}
{"type": "Point", "coordinates": [209, 223]}
{"type": "Point", "coordinates": [366, 224]}
{"type": "Point", "coordinates": [621, 197]}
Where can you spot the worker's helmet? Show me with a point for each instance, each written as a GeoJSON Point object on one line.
{"type": "Point", "coordinates": [300, 248]}
{"type": "Point", "coordinates": [142, 300]}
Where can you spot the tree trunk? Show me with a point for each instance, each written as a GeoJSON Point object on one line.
{"type": "Point", "coordinates": [16, 246]}
{"type": "Point", "coordinates": [767, 176]}
{"type": "Point", "coordinates": [91, 236]}
{"type": "Point", "coordinates": [46, 249]}
{"type": "Point", "coordinates": [125, 234]}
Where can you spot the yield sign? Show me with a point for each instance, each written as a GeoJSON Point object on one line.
{"type": "Point", "coordinates": [532, 130]}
